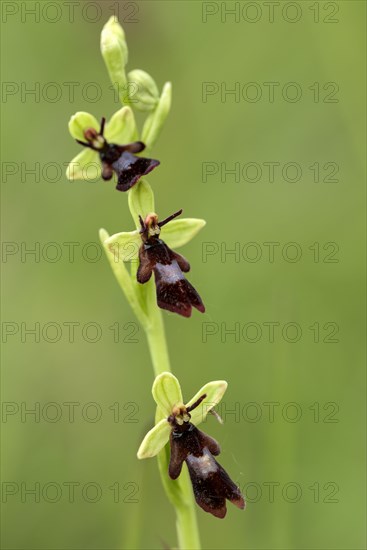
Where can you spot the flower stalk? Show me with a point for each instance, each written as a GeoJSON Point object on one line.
{"type": "Point", "coordinates": [143, 299]}
{"type": "Point", "coordinates": [156, 334]}
{"type": "Point", "coordinates": [112, 147]}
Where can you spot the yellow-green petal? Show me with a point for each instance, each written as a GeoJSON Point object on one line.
{"type": "Point", "coordinates": [85, 166]}
{"type": "Point", "coordinates": [214, 392]}
{"type": "Point", "coordinates": [125, 246]}
{"type": "Point", "coordinates": [179, 232]}
{"type": "Point", "coordinates": [167, 392]}
{"type": "Point", "coordinates": [155, 440]}
{"type": "Point", "coordinates": [80, 122]}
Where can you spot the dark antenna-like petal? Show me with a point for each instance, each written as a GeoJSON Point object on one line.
{"type": "Point", "coordinates": [163, 222]}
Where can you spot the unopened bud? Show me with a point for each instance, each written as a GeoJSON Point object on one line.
{"type": "Point", "coordinates": [155, 121]}
{"type": "Point", "coordinates": [144, 93]}
{"type": "Point", "coordinates": [115, 54]}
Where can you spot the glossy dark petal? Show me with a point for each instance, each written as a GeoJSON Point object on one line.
{"type": "Point", "coordinates": [107, 171]}
{"type": "Point", "coordinates": [211, 484]}
{"type": "Point", "coordinates": [145, 268]}
{"type": "Point", "coordinates": [174, 292]}
{"type": "Point", "coordinates": [211, 489]}
{"type": "Point", "coordinates": [136, 147]}
{"type": "Point", "coordinates": [182, 262]}
{"type": "Point", "coordinates": [178, 297]}
{"type": "Point", "coordinates": [130, 169]}
{"type": "Point", "coordinates": [209, 442]}
{"type": "Point", "coordinates": [178, 455]}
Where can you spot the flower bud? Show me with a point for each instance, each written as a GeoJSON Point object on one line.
{"type": "Point", "coordinates": [115, 54]}
{"type": "Point", "coordinates": [144, 94]}
{"type": "Point", "coordinates": [155, 121]}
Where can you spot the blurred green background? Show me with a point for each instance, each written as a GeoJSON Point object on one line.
{"type": "Point", "coordinates": [311, 451]}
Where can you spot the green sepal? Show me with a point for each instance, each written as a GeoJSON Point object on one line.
{"type": "Point", "coordinates": [123, 277]}
{"type": "Point", "coordinates": [80, 167]}
{"type": "Point", "coordinates": [141, 201]}
{"type": "Point", "coordinates": [179, 232]}
{"type": "Point", "coordinates": [121, 128]}
{"type": "Point", "coordinates": [125, 246]}
{"type": "Point", "coordinates": [80, 122]}
{"type": "Point", "coordinates": [214, 392]}
{"type": "Point", "coordinates": [167, 392]}
{"type": "Point", "coordinates": [155, 440]}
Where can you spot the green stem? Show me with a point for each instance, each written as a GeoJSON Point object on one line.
{"type": "Point", "coordinates": [187, 528]}
{"type": "Point", "coordinates": [179, 491]}
{"type": "Point", "coordinates": [143, 301]}
{"type": "Point", "coordinates": [156, 334]}
{"type": "Point", "coordinates": [186, 522]}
